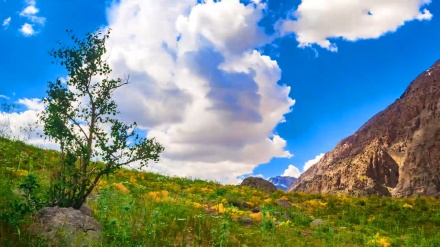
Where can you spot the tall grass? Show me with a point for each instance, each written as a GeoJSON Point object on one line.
{"type": "Point", "coordinates": [146, 209]}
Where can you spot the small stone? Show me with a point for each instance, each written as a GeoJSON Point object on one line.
{"type": "Point", "coordinates": [317, 223]}
{"type": "Point", "coordinates": [284, 203]}
{"type": "Point", "coordinates": [256, 210]}
{"type": "Point", "coordinates": [240, 204]}
{"type": "Point", "coordinates": [286, 217]}
{"type": "Point", "coordinates": [245, 221]}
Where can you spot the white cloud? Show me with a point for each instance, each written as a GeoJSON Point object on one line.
{"type": "Point", "coordinates": [29, 10]}
{"type": "Point", "coordinates": [292, 171]}
{"type": "Point", "coordinates": [311, 162]}
{"type": "Point", "coordinates": [23, 125]}
{"type": "Point", "coordinates": [198, 84]}
{"type": "Point", "coordinates": [6, 22]}
{"type": "Point", "coordinates": [317, 21]}
{"type": "Point", "coordinates": [27, 29]}
{"type": "Point", "coordinates": [4, 96]}
{"type": "Point", "coordinates": [32, 104]}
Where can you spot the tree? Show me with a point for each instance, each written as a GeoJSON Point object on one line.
{"type": "Point", "coordinates": [80, 116]}
{"type": "Point", "coordinates": [5, 124]}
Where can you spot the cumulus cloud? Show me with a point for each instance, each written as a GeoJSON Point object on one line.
{"type": "Point", "coordinates": [317, 21]}
{"type": "Point", "coordinates": [22, 125]}
{"type": "Point", "coordinates": [30, 13]}
{"type": "Point", "coordinates": [199, 86]}
{"type": "Point", "coordinates": [292, 171]}
{"type": "Point", "coordinates": [27, 29]}
{"type": "Point", "coordinates": [29, 10]}
{"type": "Point", "coordinates": [311, 162]}
{"type": "Point", "coordinates": [6, 22]}
{"type": "Point", "coordinates": [32, 104]}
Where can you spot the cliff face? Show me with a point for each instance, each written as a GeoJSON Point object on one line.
{"type": "Point", "coordinates": [396, 153]}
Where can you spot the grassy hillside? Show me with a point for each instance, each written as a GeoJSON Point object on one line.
{"type": "Point", "coordinates": [146, 209]}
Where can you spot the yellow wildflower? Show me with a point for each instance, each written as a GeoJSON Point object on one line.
{"type": "Point", "coordinates": [120, 187]}
{"type": "Point", "coordinates": [381, 241]}
{"type": "Point", "coordinates": [256, 216]}
{"type": "Point", "coordinates": [268, 201]}
{"type": "Point", "coordinates": [284, 198]}
{"type": "Point", "coordinates": [219, 208]}
{"type": "Point", "coordinates": [133, 180]}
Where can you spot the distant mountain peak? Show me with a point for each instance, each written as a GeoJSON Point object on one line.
{"type": "Point", "coordinates": [282, 182]}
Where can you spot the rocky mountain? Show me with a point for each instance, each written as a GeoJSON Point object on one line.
{"type": "Point", "coordinates": [396, 153]}
{"type": "Point", "coordinates": [282, 182]}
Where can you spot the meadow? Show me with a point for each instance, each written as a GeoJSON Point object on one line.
{"type": "Point", "coordinates": [146, 209]}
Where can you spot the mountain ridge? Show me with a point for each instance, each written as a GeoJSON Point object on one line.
{"type": "Point", "coordinates": [395, 153]}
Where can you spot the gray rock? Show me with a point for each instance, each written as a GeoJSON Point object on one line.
{"type": "Point", "coordinates": [66, 227]}
{"type": "Point", "coordinates": [317, 223]}
{"type": "Point", "coordinates": [86, 210]}
{"type": "Point", "coordinates": [256, 210]}
{"type": "Point", "coordinates": [259, 183]}
{"type": "Point", "coordinates": [286, 217]}
{"type": "Point", "coordinates": [240, 204]}
{"type": "Point", "coordinates": [245, 221]}
{"type": "Point", "coordinates": [284, 203]}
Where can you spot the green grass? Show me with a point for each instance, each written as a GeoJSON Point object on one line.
{"type": "Point", "coordinates": [146, 209]}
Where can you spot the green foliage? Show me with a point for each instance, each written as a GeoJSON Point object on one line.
{"type": "Point", "coordinates": [76, 115]}
{"type": "Point", "coordinates": [146, 209]}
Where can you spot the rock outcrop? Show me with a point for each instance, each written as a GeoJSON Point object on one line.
{"type": "Point", "coordinates": [396, 153]}
{"type": "Point", "coordinates": [259, 183]}
{"type": "Point", "coordinates": [66, 227]}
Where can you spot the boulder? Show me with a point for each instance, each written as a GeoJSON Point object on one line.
{"type": "Point", "coordinates": [66, 227]}
{"type": "Point", "coordinates": [259, 183]}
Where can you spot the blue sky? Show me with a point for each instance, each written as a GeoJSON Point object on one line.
{"type": "Point", "coordinates": [341, 67]}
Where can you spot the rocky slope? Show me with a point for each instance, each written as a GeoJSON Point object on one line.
{"type": "Point", "coordinates": [396, 153]}
{"type": "Point", "coordinates": [282, 182]}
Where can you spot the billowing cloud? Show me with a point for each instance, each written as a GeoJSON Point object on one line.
{"type": "Point", "coordinates": [292, 171]}
{"type": "Point", "coordinates": [311, 162]}
{"type": "Point", "coordinates": [199, 86]}
{"type": "Point", "coordinates": [27, 29]}
{"type": "Point", "coordinates": [317, 21]}
{"type": "Point", "coordinates": [6, 22]}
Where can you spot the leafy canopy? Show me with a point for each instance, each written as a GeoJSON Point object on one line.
{"type": "Point", "coordinates": [80, 115]}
